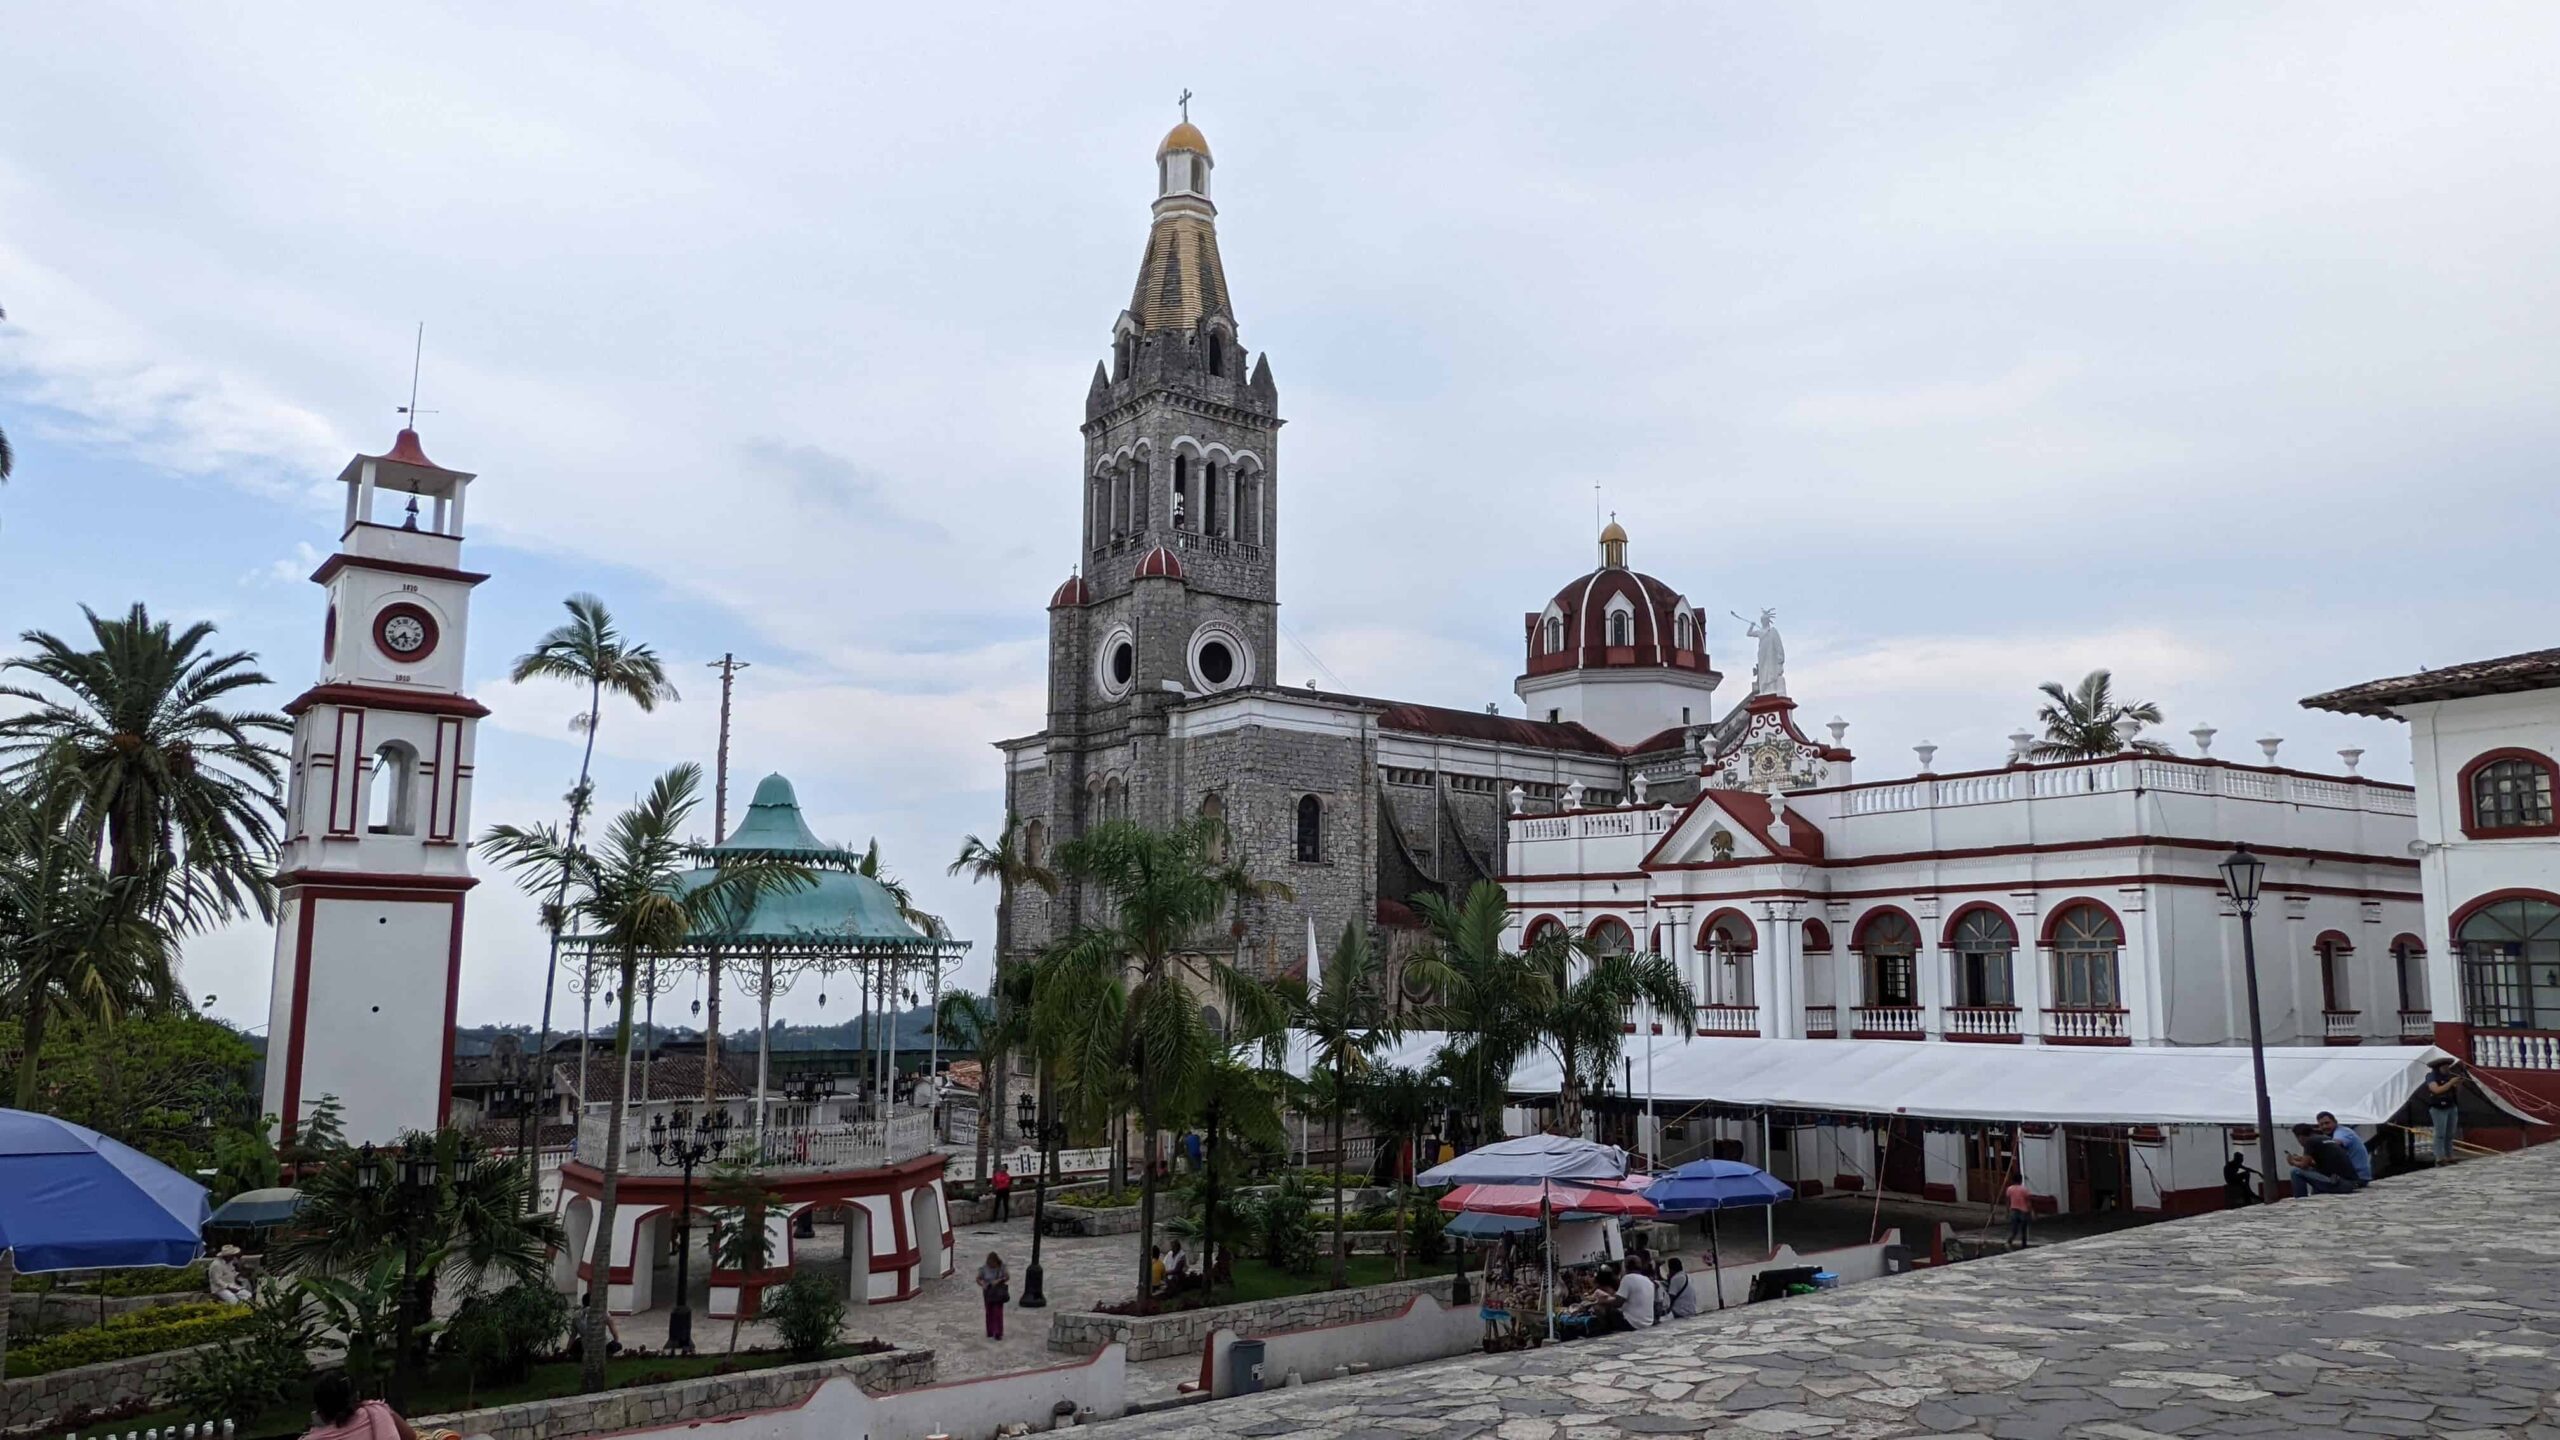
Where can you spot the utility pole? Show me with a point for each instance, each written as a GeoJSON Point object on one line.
{"type": "Point", "coordinates": [728, 665]}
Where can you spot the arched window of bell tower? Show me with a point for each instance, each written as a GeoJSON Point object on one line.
{"type": "Point", "coordinates": [1212, 512]}
{"type": "Point", "coordinates": [1217, 353]}
{"type": "Point", "coordinates": [1182, 492]}
{"type": "Point", "coordinates": [388, 788]}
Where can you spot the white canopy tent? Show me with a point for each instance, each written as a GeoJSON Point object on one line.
{"type": "Point", "coordinates": [2028, 1084]}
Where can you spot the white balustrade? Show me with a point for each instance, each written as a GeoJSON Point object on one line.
{"type": "Point", "coordinates": [2250, 785]}
{"type": "Point", "coordinates": [2341, 1024]}
{"type": "Point", "coordinates": [821, 1143]}
{"type": "Point", "coordinates": [1821, 1020]}
{"type": "Point", "coordinates": [1982, 1020]}
{"type": "Point", "coordinates": [1728, 1019]}
{"type": "Point", "coordinates": [1545, 827]}
{"type": "Point", "coordinates": [2417, 1025]}
{"type": "Point", "coordinates": [1887, 1021]}
{"type": "Point", "coordinates": [2177, 776]}
{"type": "Point", "coordinates": [1608, 822]}
{"type": "Point", "coordinates": [2084, 1027]}
{"type": "Point", "coordinates": [2516, 1050]}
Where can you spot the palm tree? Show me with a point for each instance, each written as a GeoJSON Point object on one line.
{"type": "Point", "coordinates": [1241, 1099]}
{"type": "Point", "coordinates": [591, 650]}
{"type": "Point", "coordinates": [1117, 1000]}
{"type": "Point", "coordinates": [984, 1028]}
{"type": "Point", "coordinates": [2080, 724]}
{"type": "Point", "coordinates": [1488, 1000]}
{"type": "Point", "coordinates": [176, 788]}
{"type": "Point", "coordinates": [1346, 1024]}
{"type": "Point", "coordinates": [1586, 1025]}
{"type": "Point", "coordinates": [1398, 1101]}
{"type": "Point", "coordinates": [1011, 864]}
{"type": "Point", "coordinates": [741, 1238]}
{"type": "Point", "coordinates": [75, 940]}
{"type": "Point", "coordinates": [633, 900]}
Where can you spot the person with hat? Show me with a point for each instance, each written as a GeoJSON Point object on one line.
{"type": "Point", "coordinates": [222, 1277]}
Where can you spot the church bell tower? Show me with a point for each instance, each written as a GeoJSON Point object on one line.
{"type": "Point", "coordinates": [377, 834]}
{"type": "Point", "coordinates": [1178, 590]}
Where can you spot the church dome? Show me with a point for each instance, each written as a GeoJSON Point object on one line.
{"type": "Point", "coordinates": [1616, 618]}
{"type": "Point", "coordinates": [1158, 564]}
{"type": "Point", "coordinates": [1074, 592]}
{"type": "Point", "coordinates": [1185, 136]}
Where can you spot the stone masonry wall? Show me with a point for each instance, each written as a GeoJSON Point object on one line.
{"type": "Point", "coordinates": [686, 1401]}
{"type": "Point", "coordinates": [1152, 1337]}
{"type": "Point", "coordinates": [40, 1402]}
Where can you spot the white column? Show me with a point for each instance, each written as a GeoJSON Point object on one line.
{"type": "Point", "coordinates": [1764, 983]}
{"type": "Point", "coordinates": [2307, 1025]}
{"type": "Point", "coordinates": [1931, 981]}
{"type": "Point", "coordinates": [1782, 1010]}
{"type": "Point", "coordinates": [2145, 988]}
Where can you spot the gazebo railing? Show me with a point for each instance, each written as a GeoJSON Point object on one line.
{"type": "Point", "coordinates": [824, 1143]}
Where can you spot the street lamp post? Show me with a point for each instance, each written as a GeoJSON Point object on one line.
{"type": "Point", "coordinates": [686, 1147]}
{"type": "Point", "coordinates": [1047, 1134]}
{"type": "Point", "coordinates": [2241, 876]}
{"type": "Point", "coordinates": [416, 1180]}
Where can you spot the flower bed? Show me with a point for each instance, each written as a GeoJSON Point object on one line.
{"type": "Point", "coordinates": [140, 1332]}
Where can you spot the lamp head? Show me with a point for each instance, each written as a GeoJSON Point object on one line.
{"type": "Point", "coordinates": [2242, 874]}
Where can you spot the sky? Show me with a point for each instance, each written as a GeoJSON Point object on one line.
{"type": "Point", "coordinates": [1986, 343]}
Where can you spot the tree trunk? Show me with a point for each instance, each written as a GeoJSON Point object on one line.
{"type": "Point", "coordinates": [1209, 1208]}
{"type": "Point", "coordinates": [1341, 1079]}
{"type": "Point", "coordinates": [992, 1086]}
{"type": "Point", "coordinates": [551, 972]}
{"type": "Point", "coordinates": [600, 1253]}
{"type": "Point", "coordinates": [30, 1040]}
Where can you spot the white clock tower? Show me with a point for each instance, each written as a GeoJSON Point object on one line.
{"type": "Point", "coordinates": [376, 856]}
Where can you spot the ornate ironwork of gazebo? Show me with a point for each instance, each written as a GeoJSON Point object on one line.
{"type": "Point", "coordinates": [846, 923]}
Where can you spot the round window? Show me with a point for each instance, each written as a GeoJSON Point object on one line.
{"type": "Point", "coordinates": [1217, 662]}
{"type": "Point", "coordinates": [1220, 660]}
{"type": "Point", "coordinates": [1115, 663]}
{"type": "Point", "coordinates": [1124, 663]}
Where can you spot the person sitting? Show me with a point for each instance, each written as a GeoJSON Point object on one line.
{"type": "Point", "coordinates": [2322, 1167]}
{"type": "Point", "coordinates": [222, 1277]}
{"type": "Point", "coordinates": [2349, 1141]}
{"type": "Point", "coordinates": [2238, 1186]}
{"type": "Point", "coordinates": [336, 1413]}
{"type": "Point", "coordinates": [1638, 1301]}
{"type": "Point", "coordinates": [1680, 1290]}
{"type": "Point", "coordinates": [1155, 1269]}
{"type": "Point", "coordinates": [1177, 1267]}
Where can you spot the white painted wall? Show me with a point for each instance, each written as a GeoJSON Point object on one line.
{"type": "Point", "coordinates": [1623, 706]}
{"type": "Point", "coordinates": [2444, 736]}
{"type": "Point", "coordinates": [375, 1017]}
{"type": "Point", "coordinates": [1424, 1330]}
{"type": "Point", "coordinates": [965, 1410]}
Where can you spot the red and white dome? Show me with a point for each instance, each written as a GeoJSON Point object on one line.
{"type": "Point", "coordinates": [1615, 618]}
{"type": "Point", "coordinates": [1074, 592]}
{"type": "Point", "coordinates": [1159, 564]}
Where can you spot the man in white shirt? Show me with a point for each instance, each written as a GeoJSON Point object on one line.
{"type": "Point", "coordinates": [1635, 1300]}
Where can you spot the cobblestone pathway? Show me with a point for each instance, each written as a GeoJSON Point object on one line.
{"type": "Point", "coordinates": [2427, 1306]}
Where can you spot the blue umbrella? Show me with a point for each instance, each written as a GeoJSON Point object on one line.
{"type": "Point", "coordinates": [257, 1209]}
{"type": "Point", "coordinates": [72, 1199]}
{"type": "Point", "coordinates": [1703, 1187]}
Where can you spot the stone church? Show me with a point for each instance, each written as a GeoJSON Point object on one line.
{"type": "Point", "coordinates": [1164, 699]}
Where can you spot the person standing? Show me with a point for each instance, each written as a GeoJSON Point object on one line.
{"type": "Point", "coordinates": [2022, 1211]}
{"type": "Point", "coordinates": [1001, 1184]}
{"type": "Point", "coordinates": [2351, 1142]}
{"type": "Point", "coordinates": [2444, 1105]}
{"type": "Point", "coordinates": [995, 1289]}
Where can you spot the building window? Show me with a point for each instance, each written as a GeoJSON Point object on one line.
{"type": "Point", "coordinates": [2086, 941]}
{"type": "Point", "coordinates": [1035, 842]}
{"type": "Point", "coordinates": [1554, 716]}
{"type": "Point", "coordinates": [1115, 799]}
{"type": "Point", "coordinates": [1555, 635]}
{"type": "Point", "coordinates": [1891, 945]}
{"type": "Point", "coordinates": [2336, 957]}
{"type": "Point", "coordinates": [1181, 492]}
{"type": "Point", "coordinates": [387, 808]}
{"type": "Point", "coordinates": [1310, 830]}
{"type": "Point", "coordinates": [2512, 793]}
{"type": "Point", "coordinates": [1984, 943]}
{"type": "Point", "coordinates": [1214, 811]}
{"type": "Point", "coordinates": [1622, 629]}
{"type": "Point", "coordinates": [2511, 965]}
{"type": "Point", "coordinates": [1473, 784]}
{"type": "Point", "coordinates": [1217, 353]}
{"type": "Point", "coordinates": [2409, 964]}
{"type": "Point", "coordinates": [1726, 958]}
{"type": "Point", "coordinates": [1400, 775]}
{"type": "Point", "coordinates": [1610, 936]}
{"type": "Point", "coordinates": [1211, 511]}
{"type": "Point", "coordinates": [1680, 639]}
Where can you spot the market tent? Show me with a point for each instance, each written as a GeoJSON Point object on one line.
{"type": "Point", "coordinates": [2028, 1084]}
{"type": "Point", "coordinates": [1528, 1160]}
{"type": "Point", "coordinates": [1562, 1198]}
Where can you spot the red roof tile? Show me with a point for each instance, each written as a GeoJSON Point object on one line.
{"type": "Point", "coordinates": [2508, 674]}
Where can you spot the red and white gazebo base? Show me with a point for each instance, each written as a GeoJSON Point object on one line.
{"type": "Point", "coordinates": [896, 1219]}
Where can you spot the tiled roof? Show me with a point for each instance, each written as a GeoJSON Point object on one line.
{"type": "Point", "coordinates": [1750, 810]}
{"type": "Point", "coordinates": [2506, 675]}
{"type": "Point", "coordinates": [1501, 729]}
{"type": "Point", "coordinates": [1181, 279]}
{"type": "Point", "coordinates": [672, 1076]}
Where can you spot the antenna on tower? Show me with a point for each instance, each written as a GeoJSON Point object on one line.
{"type": "Point", "coordinates": [417, 353]}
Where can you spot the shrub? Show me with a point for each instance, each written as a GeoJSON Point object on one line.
{"type": "Point", "coordinates": [152, 1280]}
{"type": "Point", "coordinates": [499, 1335]}
{"type": "Point", "coordinates": [1281, 1221]}
{"type": "Point", "coordinates": [1430, 1240]}
{"type": "Point", "coordinates": [144, 1332]}
{"type": "Point", "coordinates": [262, 1367]}
{"type": "Point", "coordinates": [806, 1313]}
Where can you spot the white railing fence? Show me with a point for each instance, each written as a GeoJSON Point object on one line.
{"type": "Point", "coordinates": [2507, 1050]}
{"type": "Point", "coordinates": [1982, 1020]}
{"type": "Point", "coordinates": [2084, 1025]}
{"type": "Point", "coordinates": [2185, 777]}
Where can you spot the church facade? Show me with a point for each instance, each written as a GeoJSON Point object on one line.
{"type": "Point", "coordinates": [1163, 700]}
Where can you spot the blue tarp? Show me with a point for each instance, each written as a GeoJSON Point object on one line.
{"type": "Point", "coordinates": [73, 1199]}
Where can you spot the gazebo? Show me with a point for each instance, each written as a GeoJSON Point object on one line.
{"type": "Point", "coordinates": [864, 1154]}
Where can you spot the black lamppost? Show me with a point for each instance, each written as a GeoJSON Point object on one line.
{"type": "Point", "coordinates": [417, 1181]}
{"type": "Point", "coordinates": [686, 1147]}
{"type": "Point", "coordinates": [1048, 1134]}
{"type": "Point", "coordinates": [2241, 876]}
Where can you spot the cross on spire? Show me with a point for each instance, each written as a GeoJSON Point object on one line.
{"type": "Point", "coordinates": [1185, 103]}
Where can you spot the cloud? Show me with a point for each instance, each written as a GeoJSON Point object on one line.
{"type": "Point", "coordinates": [292, 569]}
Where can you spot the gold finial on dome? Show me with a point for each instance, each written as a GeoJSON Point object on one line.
{"type": "Point", "coordinates": [1613, 545]}
{"type": "Point", "coordinates": [1185, 136]}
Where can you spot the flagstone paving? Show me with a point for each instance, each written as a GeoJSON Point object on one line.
{"type": "Point", "coordinates": [2426, 1306]}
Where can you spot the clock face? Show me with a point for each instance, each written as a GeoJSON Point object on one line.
{"type": "Point", "coordinates": [405, 632]}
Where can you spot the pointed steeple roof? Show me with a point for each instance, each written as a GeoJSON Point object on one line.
{"type": "Point", "coordinates": [1180, 279]}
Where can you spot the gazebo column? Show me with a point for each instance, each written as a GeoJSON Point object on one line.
{"type": "Point", "coordinates": [764, 1045]}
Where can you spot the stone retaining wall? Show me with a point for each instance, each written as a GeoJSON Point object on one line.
{"type": "Point", "coordinates": [70, 1307]}
{"type": "Point", "coordinates": [40, 1402]}
{"type": "Point", "coordinates": [1083, 1220]}
{"type": "Point", "coordinates": [1152, 1337]}
{"type": "Point", "coordinates": [684, 1402]}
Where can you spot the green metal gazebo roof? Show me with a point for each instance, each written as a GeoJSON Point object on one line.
{"type": "Point", "coordinates": [842, 912]}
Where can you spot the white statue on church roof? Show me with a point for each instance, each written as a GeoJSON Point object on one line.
{"type": "Point", "coordinates": [1769, 674]}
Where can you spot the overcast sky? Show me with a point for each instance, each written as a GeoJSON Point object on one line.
{"type": "Point", "coordinates": [1986, 343]}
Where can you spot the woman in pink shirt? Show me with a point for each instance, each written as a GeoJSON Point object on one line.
{"type": "Point", "coordinates": [336, 1414]}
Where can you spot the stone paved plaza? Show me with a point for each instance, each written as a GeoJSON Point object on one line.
{"type": "Point", "coordinates": [2427, 1306]}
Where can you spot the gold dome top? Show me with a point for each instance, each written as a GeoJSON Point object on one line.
{"type": "Point", "coordinates": [1615, 532]}
{"type": "Point", "coordinates": [1185, 136]}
